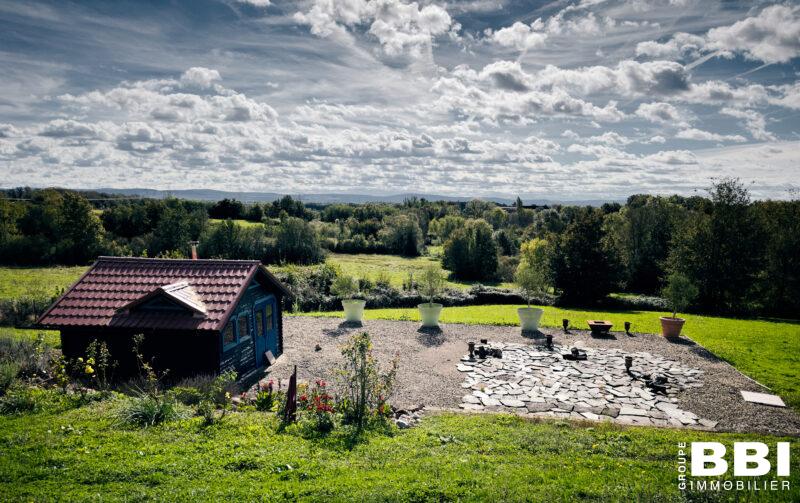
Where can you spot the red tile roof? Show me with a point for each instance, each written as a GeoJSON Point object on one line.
{"type": "Point", "coordinates": [113, 283]}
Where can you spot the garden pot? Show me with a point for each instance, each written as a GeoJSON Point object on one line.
{"type": "Point", "coordinates": [529, 318]}
{"type": "Point", "coordinates": [671, 327]}
{"type": "Point", "coordinates": [353, 309]}
{"type": "Point", "coordinates": [599, 327]}
{"type": "Point", "coordinates": [430, 314]}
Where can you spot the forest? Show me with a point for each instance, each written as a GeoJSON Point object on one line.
{"type": "Point", "coordinates": [740, 253]}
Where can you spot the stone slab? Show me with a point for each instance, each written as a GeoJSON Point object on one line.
{"type": "Point", "coordinates": [762, 398]}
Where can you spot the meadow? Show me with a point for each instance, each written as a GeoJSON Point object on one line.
{"type": "Point", "coordinates": [18, 281]}
{"type": "Point", "coordinates": [83, 454]}
{"type": "Point", "coordinates": [395, 268]}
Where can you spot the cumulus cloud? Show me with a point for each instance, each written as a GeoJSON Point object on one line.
{"type": "Point", "coordinates": [501, 92]}
{"type": "Point", "coordinates": [681, 45]}
{"type": "Point", "coordinates": [400, 28]}
{"type": "Point", "coordinates": [519, 36]}
{"type": "Point", "coordinates": [200, 77]}
{"type": "Point", "coordinates": [660, 113]}
{"type": "Point", "coordinates": [701, 135]}
{"type": "Point", "coordinates": [567, 22]}
{"type": "Point", "coordinates": [773, 36]}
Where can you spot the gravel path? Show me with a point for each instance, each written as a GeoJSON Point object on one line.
{"type": "Point", "coordinates": [427, 373]}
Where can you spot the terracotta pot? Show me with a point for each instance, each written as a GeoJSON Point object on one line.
{"type": "Point", "coordinates": [529, 318]}
{"type": "Point", "coordinates": [671, 327]}
{"type": "Point", "coordinates": [430, 314]}
{"type": "Point", "coordinates": [353, 309]}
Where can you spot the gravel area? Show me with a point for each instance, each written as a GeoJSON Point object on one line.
{"type": "Point", "coordinates": [427, 373]}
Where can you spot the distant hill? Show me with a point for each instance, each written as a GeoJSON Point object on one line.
{"type": "Point", "coordinates": [251, 197]}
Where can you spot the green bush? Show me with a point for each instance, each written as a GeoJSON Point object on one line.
{"type": "Point", "coordinates": [8, 372]}
{"type": "Point", "coordinates": [32, 357]}
{"type": "Point", "coordinates": [149, 410]}
{"type": "Point", "coordinates": [186, 395]}
{"type": "Point", "coordinates": [20, 398]}
{"type": "Point", "coordinates": [365, 388]}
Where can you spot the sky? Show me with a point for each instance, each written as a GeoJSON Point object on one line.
{"type": "Point", "coordinates": [555, 100]}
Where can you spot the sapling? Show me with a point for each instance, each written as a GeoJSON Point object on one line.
{"type": "Point", "coordinates": [531, 280]}
{"type": "Point", "coordinates": [344, 287]}
{"type": "Point", "coordinates": [431, 282]}
{"type": "Point", "coordinates": [679, 293]}
{"type": "Point", "coordinates": [532, 275]}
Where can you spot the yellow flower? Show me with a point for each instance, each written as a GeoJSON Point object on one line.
{"type": "Point", "coordinates": [227, 395]}
{"type": "Point", "coordinates": [80, 359]}
{"type": "Point", "coordinates": [89, 369]}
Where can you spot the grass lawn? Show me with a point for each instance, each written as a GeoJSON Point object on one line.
{"type": "Point", "coordinates": [18, 281]}
{"type": "Point", "coordinates": [394, 267]}
{"type": "Point", "coordinates": [766, 350]}
{"type": "Point", "coordinates": [81, 455]}
{"type": "Point", "coordinates": [51, 337]}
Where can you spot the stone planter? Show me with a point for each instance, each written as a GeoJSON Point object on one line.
{"type": "Point", "coordinates": [599, 327]}
{"type": "Point", "coordinates": [353, 309]}
{"type": "Point", "coordinates": [430, 314]}
{"type": "Point", "coordinates": [529, 318]}
{"type": "Point", "coordinates": [671, 327]}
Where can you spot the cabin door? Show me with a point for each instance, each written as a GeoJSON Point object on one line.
{"type": "Point", "coordinates": [266, 329]}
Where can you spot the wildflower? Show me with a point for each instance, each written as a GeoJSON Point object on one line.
{"type": "Point", "coordinates": [228, 395]}
{"type": "Point", "coordinates": [89, 370]}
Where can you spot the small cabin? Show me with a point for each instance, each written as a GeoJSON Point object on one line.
{"type": "Point", "coordinates": [195, 316]}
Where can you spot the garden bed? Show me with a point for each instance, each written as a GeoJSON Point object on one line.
{"type": "Point", "coordinates": [428, 362]}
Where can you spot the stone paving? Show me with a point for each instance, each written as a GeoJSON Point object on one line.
{"type": "Point", "coordinates": [539, 381]}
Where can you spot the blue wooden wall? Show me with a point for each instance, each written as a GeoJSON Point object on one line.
{"type": "Point", "coordinates": [241, 357]}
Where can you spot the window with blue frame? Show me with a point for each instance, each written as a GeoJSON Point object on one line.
{"type": "Point", "coordinates": [228, 336]}
{"type": "Point", "coordinates": [243, 324]}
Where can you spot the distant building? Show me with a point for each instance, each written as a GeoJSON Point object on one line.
{"type": "Point", "coordinates": [196, 316]}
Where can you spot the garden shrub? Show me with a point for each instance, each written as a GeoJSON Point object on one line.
{"type": "Point", "coordinates": [149, 410]}
{"type": "Point", "coordinates": [365, 389]}
{"type": "Point", "coordinates": [24, 310]}
{"type": "Point", "coordinates": [268, 399]}
{"type": "Point", "coordinates": [316, 408]}
{"type": "Point", "coordinates": [8, 372]}
{"type": "Point", "coordinates": [186, 395]}
{"type": "Point", "coordinates": [31, 356]}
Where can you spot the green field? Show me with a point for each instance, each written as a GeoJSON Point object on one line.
{"type": "Point", "coordinates": [243, 223]}
{"type": "Point", "coordinates": [766, 350]}
{"type": "Point", "coordinates": [395, 268]}
{"type": "Point", "coordinates": [18, 281]}
{"type": "Point", "coordinates": [82, 454]}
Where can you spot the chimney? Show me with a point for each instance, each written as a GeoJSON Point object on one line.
{"type": "Point", "coordinates": [194, 244]}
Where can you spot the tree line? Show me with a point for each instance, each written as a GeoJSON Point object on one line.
{"type": "Point", "coordinates": [740, 254]}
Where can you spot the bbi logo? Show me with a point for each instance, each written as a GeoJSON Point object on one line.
{"type": "Point", "coordinates": [749, 459]}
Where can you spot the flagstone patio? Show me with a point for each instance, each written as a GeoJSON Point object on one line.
{"type": "Point", "coordinates": [538, 380]}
